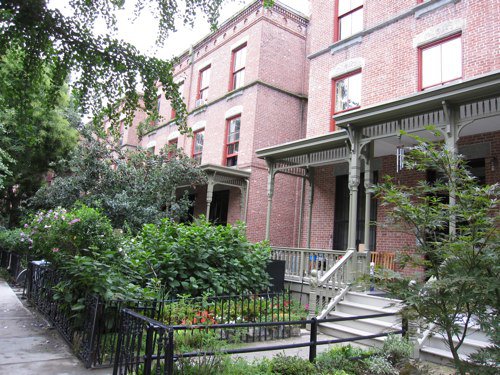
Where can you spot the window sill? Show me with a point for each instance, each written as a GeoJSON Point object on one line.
{"type": "Point", "coordinates": [431, 6]}
{"type": "Point", "coordinates": [345, 43]}
{"type": "Point", "coordinates": [233, 94]}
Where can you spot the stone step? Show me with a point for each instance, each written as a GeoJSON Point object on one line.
{"type": "Point", "coordinates": [366, 299]}
{"type": "Point", "coordinates": [368, 325]}
{"type": "Point", "coordinates": [341, 331]}
{"type": "Point", "coordinates": [358, 309]}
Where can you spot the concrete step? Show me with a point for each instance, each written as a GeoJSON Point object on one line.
{"type": "Point", "coordinates": [368, 325]}
{"type": "Point", "coordinates": [439, 356]}
{"type": "Point", "coordinates": [366, 299]}
{"type": "Point", "coordinates": [341, 331]}
{"type": "Point", "coordinates": [469, 345]}
{"type": "Point", "coordinates": [358, 309]}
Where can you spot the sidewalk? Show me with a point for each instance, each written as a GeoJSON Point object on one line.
{"type": "Point", "coordinates": [29, 346]}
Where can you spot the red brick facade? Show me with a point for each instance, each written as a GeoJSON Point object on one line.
{"type": "Point", "coordinates": [287, 96]}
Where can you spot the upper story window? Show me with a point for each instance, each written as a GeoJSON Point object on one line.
{"type": "Point", "coordinates": [203, 83]}
{"type": "Point", "coordinates": [440, 62]}
{"type": "Point", "coordinates": [232, 141]}
{"type": "Point", "coordinates": [198, 138]}
{"type": "Point", "coordinates": [349, 20]}
{"type": "Point", "coordinates": [346, 94]}
{"type": "Point", "coordinates": [238, 62]}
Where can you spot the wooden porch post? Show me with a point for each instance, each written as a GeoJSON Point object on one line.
{"type": "Point", "coordinates": [210, 194]}
{"type": "Point", "coordinates": [301, 212]}
{"type": "Point", "coordinates": [354, 177]}
{"type": "Point", "coordinates": [270, 193]}
{"type": "Point", "coordinates": [311, 201]}
{"type": "Point", "coordinates": [451, 139]}
{"type": "Point", "coordinates": [244, 201]}
{"type": "Point", "coordinates": [368, 197]}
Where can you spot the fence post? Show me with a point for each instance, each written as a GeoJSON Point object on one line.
{"type": "Point", "coordinates": [313, 284]}
{"type": "Point", "coordinates": [170, 352]}
{"type": "Point", "coordinates": [148, 360]}
{"type": "Point", "coordinates": [93, 349]}
{"type": "Point", "coordinates": [313, 339]}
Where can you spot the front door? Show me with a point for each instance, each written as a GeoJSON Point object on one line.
{"type": "Point", "coordinates": [341, 214]}
{"type": "Point", "coordinates": [219, 207]}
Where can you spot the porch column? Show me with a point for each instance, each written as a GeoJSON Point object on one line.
{"type": "Point", "coordinates": [354, 177]}
{"type": "Point", "coordinates": [210, 194]}
{"type": "Point", "coordinates": [368, 196]}
{"type": "Point", "coordinates": [311, 201]}
{"type": "Point", "coordinates": [244, 200]}
{"type": "Point", "coordinates": [451, 139]}
{"type": "Point", "coordinates": [301, 212]}
{"type": "Point", "coordinates": [270, 193]}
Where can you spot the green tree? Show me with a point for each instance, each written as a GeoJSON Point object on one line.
{"type": "Point", "coordinates": [28, 149]}
{"type": "Point", "coordinates": [132, 187]}
{"type": "Point", "coordinates": [457, 245]}
{"type": "Point", "coordinates": [108, 71]}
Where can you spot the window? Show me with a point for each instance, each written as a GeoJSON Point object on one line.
{"type": "Point", "coordinates": [198, 139]}
{"type": "Point", "coordinates": [232, 141]}
{"type": "Point", "coordinates": [440, 62]}
{"type": "Point", "coordinates": [238, 62]}
{"type": "Point", "coordinates": [203, 82]}
{"type": "Point", "coordinates": [346, 94]}
{"type": "Point", "coordinates": [172, 144]}
{"type": "Point", "coordinates": [349, 18]}
{"type": "Point", "coordinates": [180, 89]}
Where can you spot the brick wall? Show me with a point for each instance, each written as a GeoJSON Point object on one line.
{"type": "Point", "coordinates": [389, 56]}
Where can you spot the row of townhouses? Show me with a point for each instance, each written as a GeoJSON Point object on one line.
{"type": "Point", "coordinates": [295, 117]}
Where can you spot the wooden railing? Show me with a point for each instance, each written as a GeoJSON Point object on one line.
{"type": "Point", "coordinates": [300, 262]}
{"type": "Point", "coordinates": [329, 289]}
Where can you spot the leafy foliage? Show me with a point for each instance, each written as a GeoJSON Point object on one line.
{"type": "Point", "coordinates": [191, 259]}
{"type": "Point", "coordinates": [456, 225]}
{"type": "Point", "coordinates": [11, 240]}
{"type": "Point", "coordinates": [27, 149]}
{"type": "Point", "coordinates": [131, 187]}
{"type": "Point", "coordinates": [58, 234]}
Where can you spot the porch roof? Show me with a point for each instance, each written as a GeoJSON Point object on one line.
{"type": "Point", "coordinates": [430, 102]}
{"type": "Point", "coordinates": [226, 171]}
{"type": "Point", "coordinates": [425, 101]}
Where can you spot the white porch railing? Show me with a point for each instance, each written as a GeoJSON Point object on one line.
{"type": "Point", "coordinates": [300, 262]}
{"type": "Point", "coordinates": [329, 289]}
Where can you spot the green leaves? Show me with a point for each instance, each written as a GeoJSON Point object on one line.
{"type": "Point", "coordinates": [200, 257]}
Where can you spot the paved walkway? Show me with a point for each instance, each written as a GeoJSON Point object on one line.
{"type": "Point", "coordinates": [29, 346]}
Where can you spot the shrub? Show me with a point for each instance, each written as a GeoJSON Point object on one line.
{"type": "Point", "coordinates": [341, 358]}
{"type": "Point", "coordinates": [13, 240]}
{"type": "Point", "coordinates": [199, 257]}
{"type": "Point", "coordinates": [57, 233]}
{"type": "Point", "coordinates": [379, 365]}
{"type": "Point", "coordinates": [397, 350]}
{"type": "Point", "coordinates": [286, 365]}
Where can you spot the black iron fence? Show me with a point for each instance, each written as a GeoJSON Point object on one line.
{"type": "Point", "coordinates": [147, 346]}
{"type": "Point", "coordinates": [93, 332]}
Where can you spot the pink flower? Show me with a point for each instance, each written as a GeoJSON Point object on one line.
{"type": "Point", "coordinates": [55, 249]}
{"type": "Point", "coordinates": [74, 221]}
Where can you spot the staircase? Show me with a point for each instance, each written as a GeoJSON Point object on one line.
{"type": "Point", "coordinates": [433, 347]}
{"type": "Point", "coordinates": [355, 304]}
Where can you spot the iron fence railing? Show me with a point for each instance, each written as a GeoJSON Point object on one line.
{"type": "Point", "coordinates": [93, 332]}
{"type": "Point", "coordinates": [147, 346]}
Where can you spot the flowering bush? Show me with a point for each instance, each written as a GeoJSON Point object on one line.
{"type": "Point", "coordinates": [55, 233]}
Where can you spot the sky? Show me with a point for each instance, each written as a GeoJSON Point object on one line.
{"type": "Point", "coordinates": [142, 33]}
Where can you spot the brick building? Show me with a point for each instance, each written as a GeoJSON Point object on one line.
{"type": "Point", "coordinates": [245, 89]}
{"type": "Point", "coordinates": [295, 118]}
{"type": "Point", "coordinates": [375, 68]}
